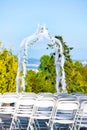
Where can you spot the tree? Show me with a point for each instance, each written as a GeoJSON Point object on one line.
{"type": "Point", "coordinates": [8, 71]}
{"type": "Point", "coordinates": [66, 48]}
{"type": "Point", "coordinates": [44, 79]}
{"type": "Point", "coordinates": [30, 81]}
{"type": "Point", "coordinates": [76, 77]}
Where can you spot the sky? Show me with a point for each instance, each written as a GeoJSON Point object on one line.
{"type": "Point", "coordinates": [67, 18]}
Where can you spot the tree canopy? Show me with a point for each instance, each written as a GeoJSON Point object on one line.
{"type": "Point", "coordinates": [44, 79]}
{"type": "Point", "coordinates": [8, 71]}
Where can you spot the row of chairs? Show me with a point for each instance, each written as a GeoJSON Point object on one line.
{"type": "Point", "coordinates": [43, 111]}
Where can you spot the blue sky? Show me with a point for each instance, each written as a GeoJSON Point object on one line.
{"type": "Point", "coordinates": [68, 18]}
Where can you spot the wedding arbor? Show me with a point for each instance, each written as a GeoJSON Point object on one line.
{"type": "Point", "coordinates": [39, 35]}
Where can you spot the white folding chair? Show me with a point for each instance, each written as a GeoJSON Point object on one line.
{"type": "Point", "coordinates": [43, 112]}
{"type": "Point", "coordinates": [7, 109]}
{"type": "Point", "coordinates": [64, 114]}
{"type": "Point", "coordinates": [23, 112]}
{"type": "Point", "coordinates": [81, 117]}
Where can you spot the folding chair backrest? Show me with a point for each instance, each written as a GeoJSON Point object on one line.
{"type": "Point", "coordinates": [67, 105]}
{"type": "Point", "coordinates": [43, 107]}
{"type": "Point", "coordinates": [8, 104]}
{"type": "Point", "coordinates": [84, 107]}
{"type": "Point", "coordinates": [25, 106]}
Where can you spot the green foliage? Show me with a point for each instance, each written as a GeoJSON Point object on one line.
{"type": "Point", "coordinates": [8, 71]}
{"type": "Point", "coordinates": [44, 79]}
{"type": "Point", "coordinates": [66, 48]}
{"type": "Point", "coordinates": [30, 80]}
{"type": "Point", "coordinates": [76, 75]}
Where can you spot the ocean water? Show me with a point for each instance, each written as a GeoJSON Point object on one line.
{"type": "Point", "coordinates": [32, 67]}
{"type": "Point", "coordinates": [33, 63]}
